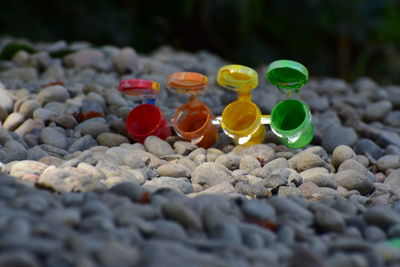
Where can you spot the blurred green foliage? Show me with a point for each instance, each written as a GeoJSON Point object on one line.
{"type": "Point", "coordinates": [344, 38]}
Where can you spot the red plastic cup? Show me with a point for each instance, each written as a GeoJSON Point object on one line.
{"type": "Point", "coordinates": [145, 120]}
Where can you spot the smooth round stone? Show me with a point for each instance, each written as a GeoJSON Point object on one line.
{"type": "Point", "coordinates": [377, 111]}
{"type": "Point", "coordinates": [382, 216]}
{"type": "Point", "coordinates": [56, 93]}
{"type": "Point", "coordinates": [308, 189]}
{"type": "Point", "coordinates": [13, 120]}
{"type": "Point", "coordinates": [258, 209]}
{"type": "Point", "coordinates": [278, 163]}
{"type": "Point", "coordinates": [126, 60]}
{"type": "Point", "coordinates": [262, 152]}
{"type": "Point", "coordinates": [388, 162]}
{"type": "Point", "coordinates": [20, 168]}
{"type": "Point", "coordinates": [308, 161]}
{"type": "Point", "coordinates": [93, 128]}
{"type": "Point", "coordinates": [132, 191]}
{"type": "Point", "coordinates": [18, 258]}
{"type": "Point", "coordinates": [157, 146]}
{"type": "Point", "coordinates": [364, 146]}
{"type": "Point", "coordinates": [352, 164]}
{"type": "Point", "coordinates": [210, 174]}
{"type": "Point", "coordinates": [181, 184]}
{"type": "Point", "coordinates": [111, 139]}
{"type": "Point", "coordinates": [373, 233]}
{"type": "Point", "coordinates": [354, 180]}
{"type": "Point", "coordinates": [82, 144]}
{"type": "Point", "coordinates": [65, 120]}
{"type": "Point", "coordinates": [341, 154]}
{"type": "Point", "coordinates": [28, 107]}
{"type": "Point", "coordinates": [328, 219]}
{"type": "Point", "coordinates": [44, 114]}
{"type": "Point", "coordinates": [172, 170]}
{"type": "Point", "coordinates": [12, 150]}
{"type": "Point", "coordinates": [335, 136]}
{"type": "Point", "coordinates": [393, 118]}
{"type": "Point", "coordinates": [183, 147]}
{"type": "Point", "coordinates": [6, 100]}
{"type": "Point", "coordinates": [249, 163]}
{"type": "Point", "coordinates": [53, 137]}
{"type": "Point", "coordinates": [230, 161]}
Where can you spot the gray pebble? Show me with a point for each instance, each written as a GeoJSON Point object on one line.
{"type": "Point", "coordinates": [262, 152]}
{"type": "Point", "coordinates": [308, 161]}
{"type": "Point", "coordinates": [364, 146]}
{"type": "Point", "coordinates": [249, 163]}
{"type": "Point", "coordinates": [53, 137]}
{"type": "Point", "coordinates": [111, 139]}
{"type": "Point", "coordinates": [354, 180]}
{"type": "Point", "coordinates": [338, 135]}
{"type": "Point", "coordinates": [55, 93]}
{"type": "Point", "coordinates": [388, 162]}
{"type": "Point", "coordinates": [158, 147]}
{"type": "Point", "coordinates": [377, 111]}
{"type": "Point", "coordinates": [382, 216]}
{"type": "Point", "coordinates": [340, 154]}
{"type": "Point", "coordinates": [172, 170]}
{"type": "Point", "coordinates": [278, 163]}
{"type": "Point", "coordinates": [210, 174]}
{"type": "Point", "coordinates": [181, 184]}
{"type": "Point", "coordinates": [230, 161]}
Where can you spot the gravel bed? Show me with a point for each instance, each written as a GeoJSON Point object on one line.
{"type": "Point", "coordinates": [76, 191]}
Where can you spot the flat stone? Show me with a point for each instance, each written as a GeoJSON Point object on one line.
{"type": "Point", "coordinates": [157, 146]}
{"type": "Point", "coordinates": [354, 180]}
{"type": "Point", "coordinates": [210, 174]}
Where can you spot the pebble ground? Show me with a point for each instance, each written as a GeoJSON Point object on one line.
{"type": "Point", "coordinates": [76, 191]}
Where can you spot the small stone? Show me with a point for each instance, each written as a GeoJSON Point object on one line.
{"type": "Point", "coordinates": [129, 190]}
{"type": "Point", "coordinates": [354, 180]}
{"type": "Point", "coordinates": [277, 178]}
{"type": "Point", "coordinates": [181, 184]}
{"type": "Point", "coordinates": [254, 191]}
{"type": "Point", "coordinates": [366, 146]}
{"type": "Point", "coordinates": [23, 167]}
{"type": "Point", "coordinates": [184, 148]}
{"type": "Point", "coordinates": [53, 137]}
{"type": "Point", "coordinates": [308, 189]}
{"type": "Point", "coordinates": [249, 163]}
{"type": "Point", "coordinates": [210, 174]}
{"type": "Point", "coordinates": [393, 118]}
{"type": "Point", "coordinates": [82, 144]}
{"type": "Point", "coordinates": [93, 127]}
{"type": "Point", "coordinates": [6, 100]}
{"type": "Point", "coordinates": [83, 58]}
{"type": "Point", "coordinates": [157, 146]}
{"type": "Point", "coordinates": [181, 214]}
{"type": "Point", "coordinates": [338, 135]}
{"type": "Point", "coordinates": [172, 170]}
{"type": "Point", "coordinates": [258, 209]}
{"type": "Point", "coordinates": [388, 162]}
{"type": "Point", "coordinates": [373, 233]}
{"type": "Point", "coordinates": [230, 161]}
{"type": "Point", "coordinates": [12, 150]}
{"type": "Point", "coordinates": [126, 60]}
{"type": "Point", "coordinates": [352, 164]}
{"type": "Point", "coordinates": [393, 181]}
{"type": "Point", "coordinates": [289, 209]}
{"type": "Point", "coordinates": [341, 154]}
{"type": "Point", "coordinates": [382, 216]}
{"type": "Point", "coordinates": [279, 163]}
{"type": "Point", "coordinates": [224, 188]}
{"type": "Point", "coordinates": [285, 191]}
{"type": "Point", "coordinates": [111, 139]}
{"type": "Point", "coordinates": [56, 93]}
{"type": "Point", "coordinates": [13, 121]}
{"type": "Point", "coordinates": [322, 180]}
{"type": "Point", "coordinates": [262, 152]}
{"type": "Point", "coordinates": [328, 219]}
{"type": "Point", "coordinates": [308, 161]}
{"type": "Point", "coordinates": [18, 258]}
{"type": "Point", "coordinates": [377, 111]}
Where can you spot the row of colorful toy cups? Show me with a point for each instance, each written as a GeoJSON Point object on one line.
{"type": "Point", "coordinates": [241, 120]}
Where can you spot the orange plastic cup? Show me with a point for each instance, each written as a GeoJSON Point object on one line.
{"type": "Point", "coordinates": [193, 121]}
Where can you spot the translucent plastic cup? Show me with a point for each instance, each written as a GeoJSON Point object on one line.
{"type": "Point", "coordinates": [291, 121]}
{"type": "Point", "coordinates": [145, 120]}
{"type": "Point", "coordinates": [193, 122]}
{"type": "Point", "coordinates": [241, 120]}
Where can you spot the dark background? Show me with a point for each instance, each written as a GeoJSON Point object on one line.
{"type": "Point", "coordinates": [340, 38]}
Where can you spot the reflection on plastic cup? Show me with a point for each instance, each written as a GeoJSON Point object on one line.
{"type": "Point", "coordinates": [241, 120]}
{"type": "Point", "coordinates": [193, 122]}
{"type": "Point", "coordinates": [291, 121]}
{"type": "Point", "coordinates": [145, 120]}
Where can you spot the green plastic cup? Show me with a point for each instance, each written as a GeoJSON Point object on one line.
{"type": "Point", "coordinates": [291, 121]}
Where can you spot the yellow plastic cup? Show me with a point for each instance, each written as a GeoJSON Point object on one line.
{"type": "Point", "coordinates": [241, 120]}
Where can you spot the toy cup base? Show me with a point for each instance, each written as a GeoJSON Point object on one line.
{"type": "Point", "coordinates": [193, 122]}
{"type": "Point", "coordinates": [291, 121]}
{"type": "Point", "coordinates": [241, 120]}
{"type": "Point", "coordinates": [145, 120]}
